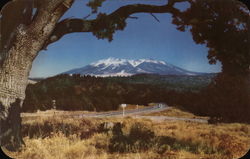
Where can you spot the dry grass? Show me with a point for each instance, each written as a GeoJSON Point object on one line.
{"type": "Point", "coordinates": [67, 138]}
{"type": "Point", "coordinates": [50, 113]}
{"type": "Point", "coordinates": [132, 106]}
{"type": "Point", "coordinates": [172, 112]}
{"type": "Point", "coordinates": [176, 112]}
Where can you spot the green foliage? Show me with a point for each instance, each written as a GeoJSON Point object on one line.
{"type": "Point", "coordinates": [106, 26]}
{"type": "Point", "coordinates": [223, 27]}
{"type": "Point", "coordinates": [94, 4]}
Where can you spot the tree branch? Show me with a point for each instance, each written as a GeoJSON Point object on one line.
{"type": "Point", "coordinates": [105, 25]}
{"type": "Point", "coordinates": [133, 17]}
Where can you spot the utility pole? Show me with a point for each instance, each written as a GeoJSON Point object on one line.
{"type": "Point", "coordinates": [54, 107]}
{"type": "Point", "coordinates": [53, 104]}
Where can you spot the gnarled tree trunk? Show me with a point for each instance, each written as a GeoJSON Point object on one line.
{"type": "Point", "coordinates": [25, 41]}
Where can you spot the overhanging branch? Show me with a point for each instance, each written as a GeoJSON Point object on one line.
{"type": "Point", "coordinates": [105, 25]}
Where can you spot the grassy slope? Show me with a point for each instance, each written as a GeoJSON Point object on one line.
{"type": "Point", "coordinates": [176, 112]}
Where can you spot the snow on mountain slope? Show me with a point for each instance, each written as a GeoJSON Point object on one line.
{"type": "Point", "coordinates": [124, 67]}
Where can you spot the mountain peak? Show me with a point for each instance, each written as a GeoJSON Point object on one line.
{"type": "Point", "coordinates": [109, 61]}
{"type": "Point", "coordinates": [117, 61]}
{"type": "Point", "coordinates": [125, 67]}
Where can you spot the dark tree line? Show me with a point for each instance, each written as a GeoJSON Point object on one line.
{"type": "Point", "coordinates": [102, 94]}
{"type": "Point", "coordinates": [87, 93]}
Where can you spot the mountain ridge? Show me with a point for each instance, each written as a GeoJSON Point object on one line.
{"type": "Point", "coordinates": [124, 67]}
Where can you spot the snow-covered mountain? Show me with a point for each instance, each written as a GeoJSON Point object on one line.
{"type": "Point", "coordinates": [124, 67]}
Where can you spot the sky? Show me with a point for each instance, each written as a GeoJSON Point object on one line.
{"type": "Point", "coordinates": [143, 38]}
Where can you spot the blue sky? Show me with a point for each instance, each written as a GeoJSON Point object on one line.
{"type": "Point", "coordinates": [142, 38]}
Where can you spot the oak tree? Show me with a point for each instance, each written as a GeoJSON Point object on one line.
{"type": "Point", "coordinates": [29, 27]}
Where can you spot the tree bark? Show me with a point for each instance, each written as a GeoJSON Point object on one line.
{"type": "Point", "coordinates": [15, 68]}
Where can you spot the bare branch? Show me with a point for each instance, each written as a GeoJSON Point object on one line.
{"type": "Point", "coordinates": [155, 17]}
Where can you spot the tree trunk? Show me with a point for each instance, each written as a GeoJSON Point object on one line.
{"type": "Point", "coordinates": [15, 68]}
{"type": "Point", "coordinates": [13, 81]}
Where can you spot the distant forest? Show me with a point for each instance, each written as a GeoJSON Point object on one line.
{"type": "Point", "coordinates": [87, 93]}
{"type": "Point", "coordinates": [180, 83]}
{"type": "Point", "coordinates": [101, 94]}
{"type": "Point", "coordinates": [196, 94]}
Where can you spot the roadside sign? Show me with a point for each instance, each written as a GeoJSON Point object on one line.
{"type": "Point", "coordinates": [123, 105]}
{"type": "Point", "coordinates": [123, 108]}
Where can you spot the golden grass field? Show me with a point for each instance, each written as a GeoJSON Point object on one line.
{"type": "Point", "coordinates": [55, 137]}
{"type": "Point", "coordinates": [176, 112]}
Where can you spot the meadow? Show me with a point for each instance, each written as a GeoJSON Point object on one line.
{"type": "Point", "coordinates": [60, 137]}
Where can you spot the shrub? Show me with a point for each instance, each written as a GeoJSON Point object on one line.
{"type": "Point", "coordinates": [139, 138]}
